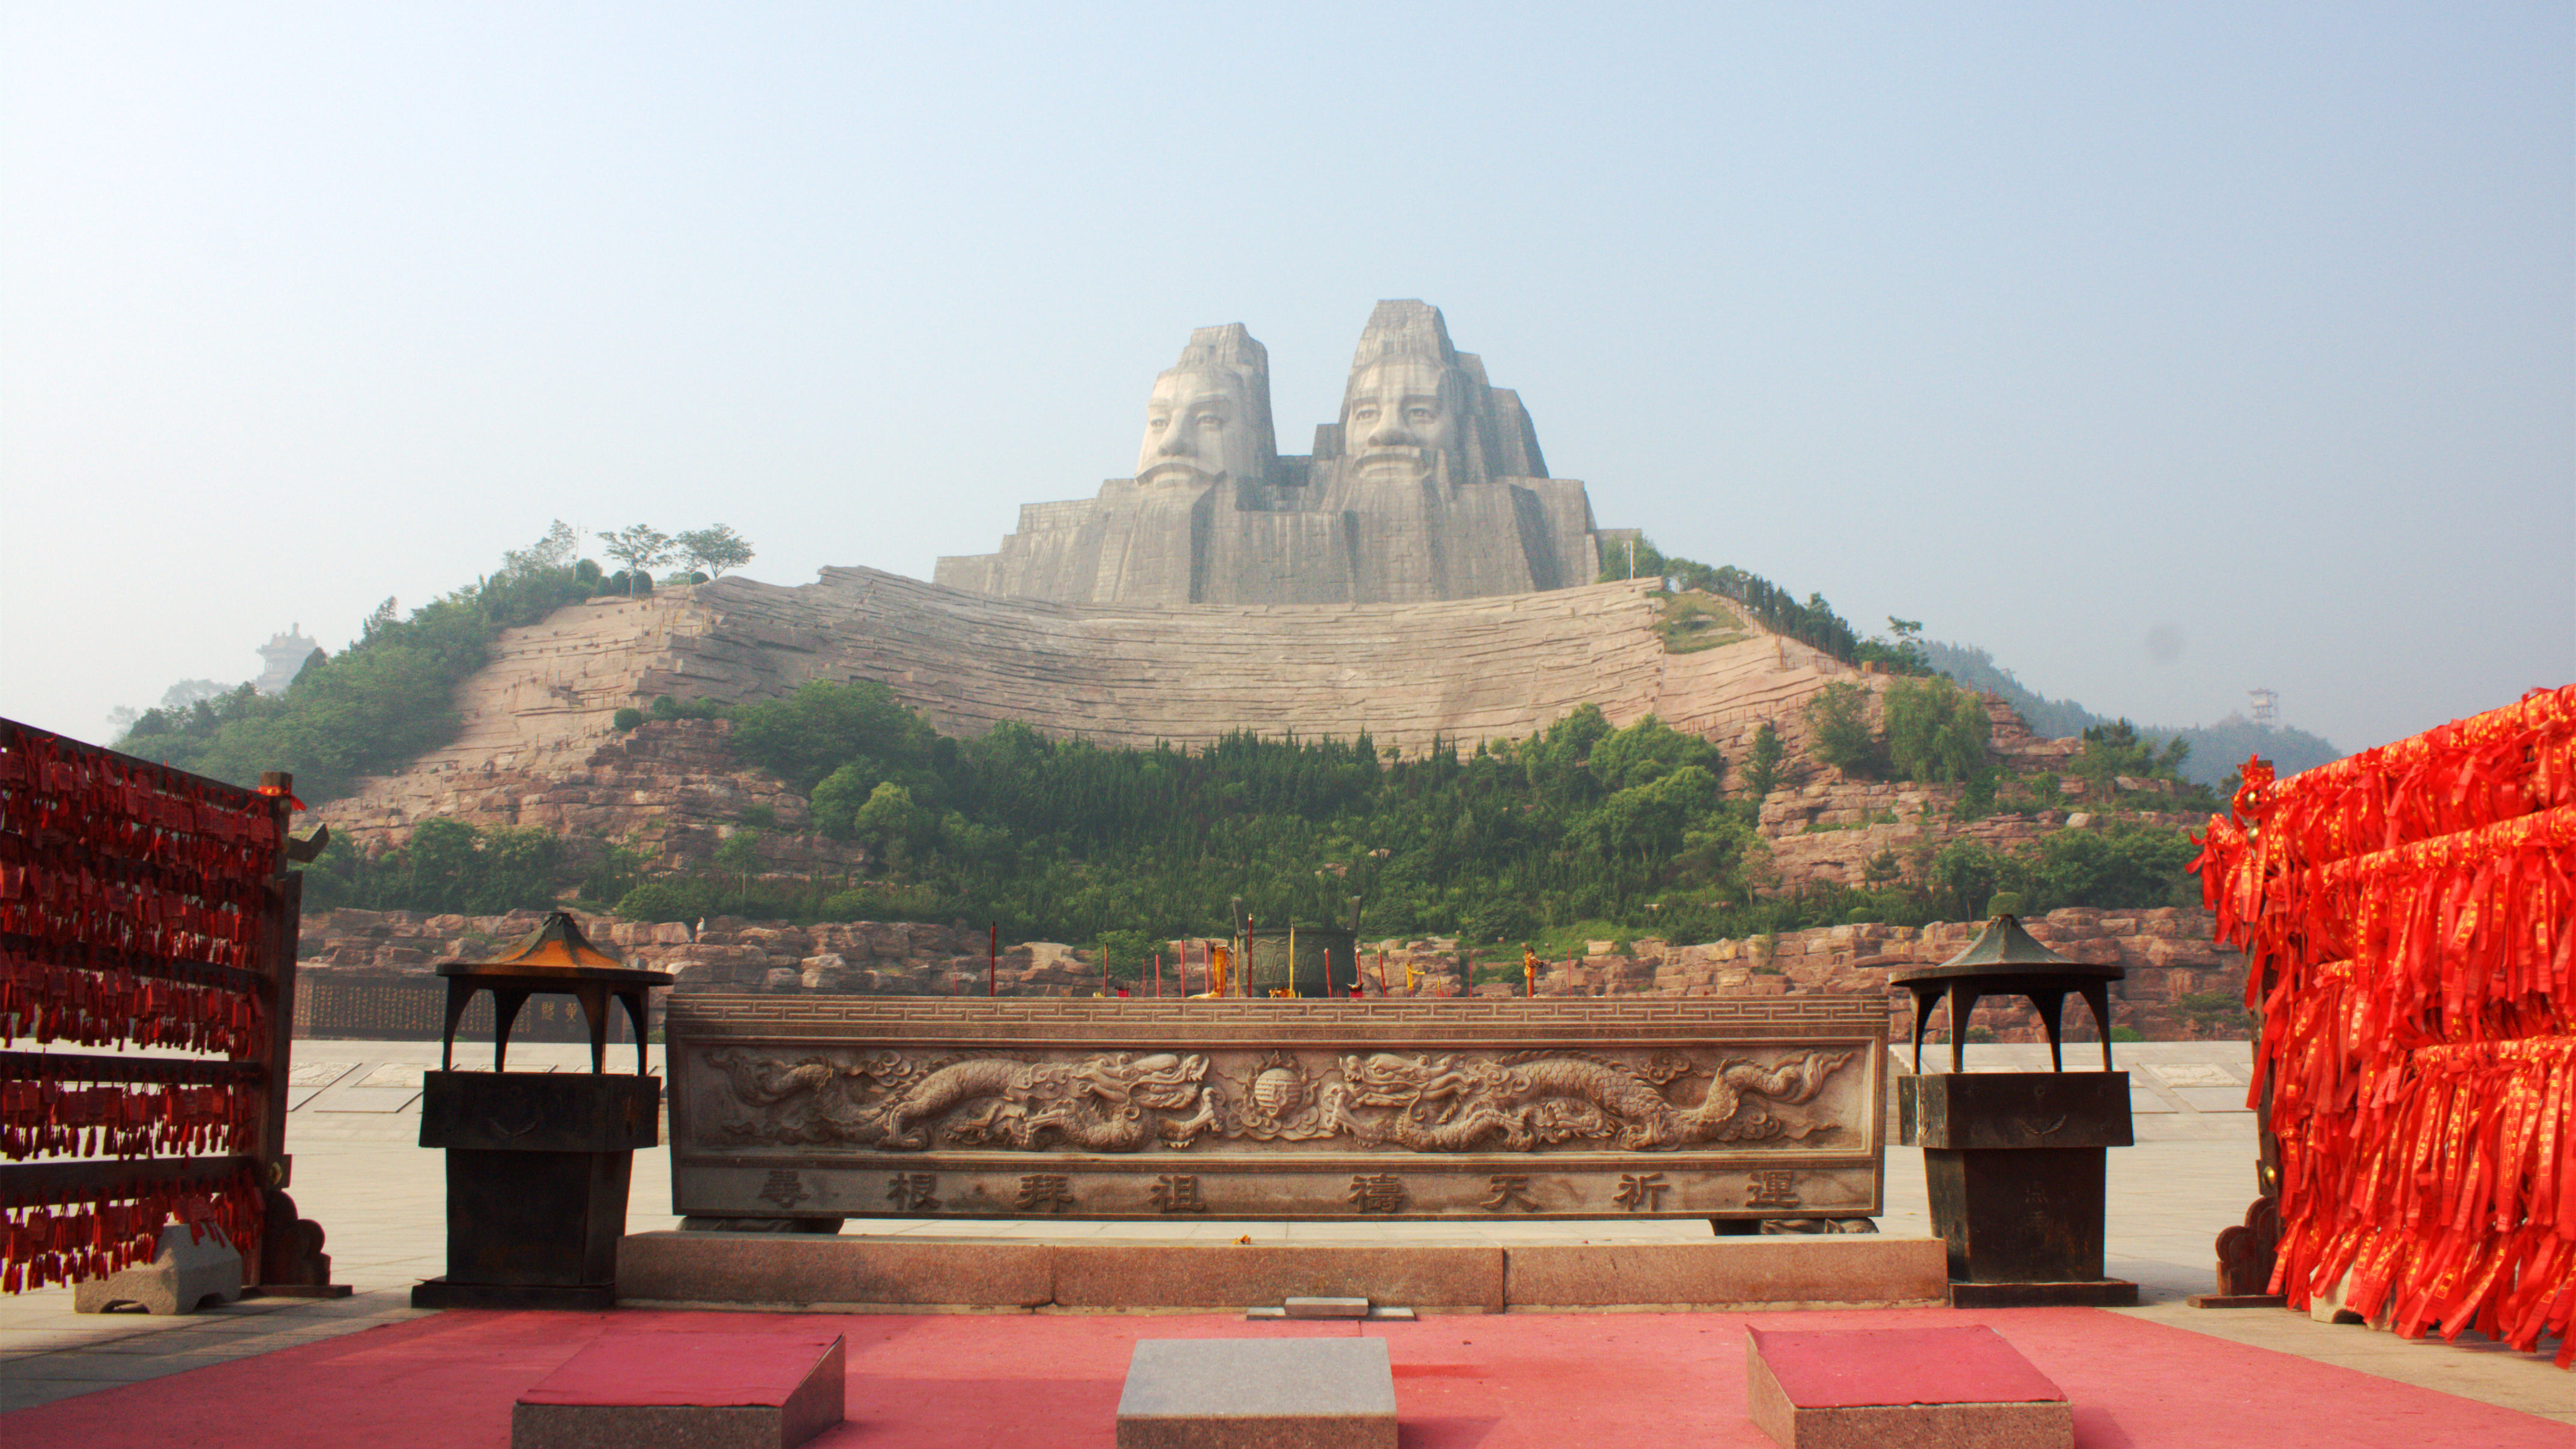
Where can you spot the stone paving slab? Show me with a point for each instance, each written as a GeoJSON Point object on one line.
{"type": "Point", "coordinates": [1238, 1393]}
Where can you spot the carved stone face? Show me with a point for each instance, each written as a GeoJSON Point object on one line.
{"type": "Point", "coordinates": [1199, 427]}
{"type": "Point", "coordinates": [1399, 418]}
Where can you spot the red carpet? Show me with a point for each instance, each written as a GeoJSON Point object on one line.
{"type": "Point", "coordinates": [1503, 1382]}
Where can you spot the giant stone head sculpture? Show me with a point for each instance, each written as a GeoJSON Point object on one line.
{"type": "Point", "coordinates": [1401, 411]}
{"type": "Point", "coordinates": [1209, 416]}
{"type": "Point", "coordinates": [1417, 408]}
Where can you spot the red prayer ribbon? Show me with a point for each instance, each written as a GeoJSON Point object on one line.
{"type": "Point", "coordinates": [2410, 916]}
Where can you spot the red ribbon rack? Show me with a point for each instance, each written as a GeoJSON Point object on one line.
{"type": "Point", "coordinates": [149, 913]}
{"type": "Point", "coordinates": [2410, 916]}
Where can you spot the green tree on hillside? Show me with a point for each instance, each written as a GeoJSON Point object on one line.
{"type": "Point", "coordinates": [1762, 763]}
{"type": "Point", "coordinates": [1648, 751]}
{"type": "Point", "coordinates": [826, 727]}
{"type": "Point", "coordinates": [641, 547]}
{"type": "Point", "coordinates": [1838, 721]}
{"type": "Point", "coordinates": [1936, 731]}
{"type": "Point", "coordinates": [1813, 622]}
{"type": "Point", "coordinates": [2114, 749]}
{"type": "Point", "coordinates": [738, 855]}
{"type": "Point", "coordinates": [713, 549]}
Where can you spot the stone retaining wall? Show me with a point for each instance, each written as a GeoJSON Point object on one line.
{"type": "Point", "coordinates": [2167, 952]}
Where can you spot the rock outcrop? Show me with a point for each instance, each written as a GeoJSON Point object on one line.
{"type": "Point", "coordinates": [669, 789]}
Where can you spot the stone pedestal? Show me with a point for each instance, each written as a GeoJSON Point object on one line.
{"type": "Point", "coordinates": [537, 1169]}
{"type": "Point", "coordinates": [2012, 1162]}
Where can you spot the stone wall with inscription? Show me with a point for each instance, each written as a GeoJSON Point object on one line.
{"type": "Point", "coordinates": [806, 1107]}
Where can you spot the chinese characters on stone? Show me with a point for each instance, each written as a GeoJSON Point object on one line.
{"type": "Point", "coordinates": [784, 1188]}
{"type": "Point", "coordinates": [1773, 1187]}
{"type": "Point", "coordinates": [1045, 1192]}
{"type": "Point", "coordinates": [914, 1192]}
{"type": "Point", "coordinates": [1641, 1191]}
{"type": "Point", "coordinates": [1177, 1193]}
{"type": "Point", "coordinates": [1376, 1192]}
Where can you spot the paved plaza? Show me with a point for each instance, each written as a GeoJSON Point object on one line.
{"type": "Point", "coordinates": [381, 1199]}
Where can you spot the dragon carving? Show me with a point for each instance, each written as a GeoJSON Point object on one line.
{"type": "Point", "coordinates": [1110, 1103]}
{"type": "Point", "coordinates": [1458, 1104]}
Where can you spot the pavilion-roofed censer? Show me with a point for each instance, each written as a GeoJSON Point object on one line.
{"type": "Point", "coordinates": [2013, 1161]}
{"type": "Point", "coordinates": [538, 1162]}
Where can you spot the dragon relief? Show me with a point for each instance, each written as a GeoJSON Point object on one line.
{"type": "Point", "coordinates": [1114, 1102]}
{"type": "Point", "coordinates": [1123, 1102]}
{"type": "Point", "coordinates": [1520, 1102]}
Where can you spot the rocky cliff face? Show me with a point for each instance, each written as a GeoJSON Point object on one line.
{"type": "Point", "coordinates": [1829, 832]}
{"type": "Point", "coordinates": [2167, 952]}
{"type": "Point", "coordinates": [668, 788]}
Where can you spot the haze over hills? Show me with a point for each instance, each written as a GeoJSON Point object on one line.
{"type": "Point", "coordinates": [2216, 749]}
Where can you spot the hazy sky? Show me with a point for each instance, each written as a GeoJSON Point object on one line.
{"type": "Point", "coordinates": [2051, 326]}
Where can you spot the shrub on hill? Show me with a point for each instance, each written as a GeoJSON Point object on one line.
{"type": "Point", "coordinates": [447, 865]}
{"type": "Point", "coordinates": [658, 900]}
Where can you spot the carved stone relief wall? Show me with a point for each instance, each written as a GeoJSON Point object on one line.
{"type": "Point", "coordinates": [1274, 1110]}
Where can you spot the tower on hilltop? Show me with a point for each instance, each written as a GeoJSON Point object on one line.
{"type": "Point", "coordinates": [284, 654]}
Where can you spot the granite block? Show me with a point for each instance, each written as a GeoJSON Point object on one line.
{"type": "Point", "coordinates": [185, 1271]}
{"type": "Point", "coordinates": [1258, 1393]}
{"type": "Point", "coordinates": [1911, 1388]}
{"type": "Point", "coordinates": [766, 1390]}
